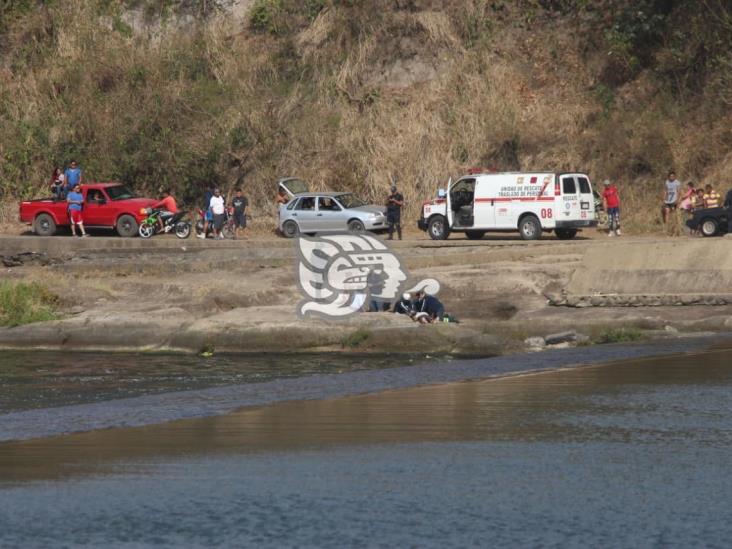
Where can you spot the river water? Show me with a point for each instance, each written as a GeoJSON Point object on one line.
{"type": "Point", "coordinates": [630, 454]}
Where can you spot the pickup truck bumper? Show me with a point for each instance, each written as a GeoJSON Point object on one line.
{"type": "Point", "coordinates": [578, 224]}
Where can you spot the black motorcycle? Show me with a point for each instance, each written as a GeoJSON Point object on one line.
{"type": "Point", "coordinates": [175, 223]}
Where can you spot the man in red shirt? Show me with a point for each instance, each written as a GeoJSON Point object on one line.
{"type": "Point", "coordinates": [170, 208]}
{"type": "Point", "coordinates": [611, 199]}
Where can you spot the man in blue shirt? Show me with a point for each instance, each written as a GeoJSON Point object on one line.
{"type": "Point", "coordinates": [73, 176]}
{"type": "Point", "coordinates": [75, 201]}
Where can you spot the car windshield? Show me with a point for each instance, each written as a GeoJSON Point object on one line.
{"type": "Point", "coordinates": [119, 192]}
{"type": "Point", "coordinates": [350, 200]}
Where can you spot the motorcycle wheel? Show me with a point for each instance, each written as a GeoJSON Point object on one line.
{"type": "Point", "coordinates": [146, 230]}
{"type": "Point", "coordinates": [182, 229]}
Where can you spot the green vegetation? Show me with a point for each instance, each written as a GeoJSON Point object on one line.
{"type": "Point", "coordinates": [356, 339]}
{"type": "Point", "coordinates": [354, 94]}
{"type": "Point", "coordinates": [619, 335]}
{"type": "Point", "coordinates": [23, 303]}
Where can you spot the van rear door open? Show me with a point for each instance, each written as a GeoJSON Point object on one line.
{"type": "Point", "coordinates": [576, 200]}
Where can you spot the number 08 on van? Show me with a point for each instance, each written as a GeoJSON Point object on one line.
{"type": "Point", "coordinates": [530, 203]}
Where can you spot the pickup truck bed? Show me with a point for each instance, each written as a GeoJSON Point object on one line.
{"type": "Point", "coordinates": [106, 205]}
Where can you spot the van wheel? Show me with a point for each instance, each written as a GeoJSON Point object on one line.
{"type": "Point", "coordinates": [475, 235]}
{"type": "Point", "coordinates": [290, 229]}
{"type": "Point", "coordinates": [126, 226]}
{"type": "Point", "coordinates": [565, 234]}
{"type": "Point", "coordinates": [709, 227]}
{"type": "Point", "coordinates": [437, 228]}
{"type": "Point", "coordinates": [44, 225]}
{"type": "Point", "coordinates": [530, 228]}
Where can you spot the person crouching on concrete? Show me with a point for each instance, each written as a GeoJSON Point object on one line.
{"type": "Point", "coordinates": [428, 309]}
{"type": "Point", "coordinates": [405, 306]}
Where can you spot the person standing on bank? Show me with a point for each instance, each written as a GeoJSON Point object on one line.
{"type": "Point", "coordinates": [671, 193]}
{"type": "Point", "coordinates": [75, 202]}
{"type": "Point", "coordinates": [394, 204]}
{"type": "Point", "coordinates": [728, 207]}
{"type": "Point", "coordinates": [218, 211]}
{"type": "Point", "coordinates": [240, 205]}
{"type": "Point", "coordinates": [612, 206]}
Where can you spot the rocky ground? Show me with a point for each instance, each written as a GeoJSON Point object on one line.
{"type": "Point", "coordinates": [509, 295]}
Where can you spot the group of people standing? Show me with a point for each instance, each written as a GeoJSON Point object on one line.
{"type": "Point", "coordinates": [63, 181]}
{"type": "Point", "coordinates": [691, 199]}
{"type": "Point", "coordinates": [215, 211]}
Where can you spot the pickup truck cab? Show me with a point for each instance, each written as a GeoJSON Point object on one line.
{"type": "Point", "coordinates": [530, 203]}
{"type": "Point", "coordinates": [106, 205]}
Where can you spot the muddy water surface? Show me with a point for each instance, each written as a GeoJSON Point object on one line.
{"type": "Point", "coordinates": [631, 454]}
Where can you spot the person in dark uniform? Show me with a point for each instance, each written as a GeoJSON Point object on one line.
{"type": "Point", "coordinates": [405, 306]}
{"type": "Point", "coordinates": [728, 206]}
{"type": "Point", "coordinates": [394, 204]}
{"type": "Point", "coordinates": [428, 308]}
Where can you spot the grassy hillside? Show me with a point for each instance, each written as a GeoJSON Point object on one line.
{"type": "Point", "coordinates": [352, 94]}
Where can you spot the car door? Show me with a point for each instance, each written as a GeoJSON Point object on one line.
{"type": "Point", "coordinates": [331, 216]}
{"type": "Point", "coordinates": [305, 214]}
{"type": "Point", "coordinates": [96, 206]}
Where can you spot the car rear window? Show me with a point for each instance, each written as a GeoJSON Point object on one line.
{"type": "Point", "coordinates": [568, 186]}
{"type": "Point", "coordinates": [584, 185]}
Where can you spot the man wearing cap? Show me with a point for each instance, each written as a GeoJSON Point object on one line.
{"type": "Point", "coordinates": [394, 204]}
{"type": "Point", "coordinates": [405, 306]}
{"type": "Point", "coordinates": [611, 200]}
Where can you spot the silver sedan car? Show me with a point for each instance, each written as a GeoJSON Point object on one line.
{"type": "Point", "coordinates": [329, 212]}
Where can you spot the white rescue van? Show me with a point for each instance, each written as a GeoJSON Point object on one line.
{"type": "Point", "coordinates": [530, 203]}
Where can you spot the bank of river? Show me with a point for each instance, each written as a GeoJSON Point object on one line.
{"type": "Point", "coordinates": [634, 453]}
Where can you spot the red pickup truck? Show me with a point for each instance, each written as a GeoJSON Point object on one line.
{"type": "Point", "coordinates": [106, 205]}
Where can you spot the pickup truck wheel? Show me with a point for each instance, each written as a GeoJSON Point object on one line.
{"type": "Point", "coordinates": [44, 225]}
{"type": "Point", "coordinates": [290, 229]}
{"type": "Point", "coordinates": [565, 234]}
{"type": "Point", "coordinates": [530, 228]}
{"type": "Point", "coordinates": [126, 226]}
{"type": "Point", "coordinates": [437, 228]}
{"type": "Point", "coordinates": [475, 235]}
{"type": "Point", "coordinates": [709, 227]}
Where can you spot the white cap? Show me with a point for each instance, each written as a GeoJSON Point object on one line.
{"type": "Point", "coordinates": [407, 295]}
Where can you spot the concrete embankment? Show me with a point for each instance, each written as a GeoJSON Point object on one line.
{"type": "Point", "coordinates": [167, 294]}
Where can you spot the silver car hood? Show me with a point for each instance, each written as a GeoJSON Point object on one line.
{"type": "Point", "coordinates": [369, 208]}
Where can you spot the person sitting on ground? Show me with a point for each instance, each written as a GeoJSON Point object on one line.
{"type": "Point", "coordinates": [611, 201]}
{"type": "Point", "coordinates": [405, 306]}
{"type": "Point", "coordinates": [712, 199]}
{"type": "Point", "coordinates": [75, 202]}
{"type": "Point", "coordinates": [169, 209]}
{"type": "Point", "coordinates": [428, 309]}
{"type": "Point", "coordinates": [240, 204]}
{"type": "Point", "coordinates": [57, 183]}
{"type": "Point", "coordinates": [672, 187]}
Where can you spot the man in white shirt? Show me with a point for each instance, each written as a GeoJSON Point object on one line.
{"type": "Point", "coordinates": [217, 209]}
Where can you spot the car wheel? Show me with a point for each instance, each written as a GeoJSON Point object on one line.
{"type": "Point", "coordinates": [475, 235]}
{"type": "Point", "coordinates": [437, 228]}
{"type": "Point", "coordinates": [44, 225]}
{"type": "Point", "coordinates": [356, 226]}
{"type": "Point", "coordinates": [182, 229]}
{"type": "Point", "coordinates": [126, 226]}
{"type": "Point", "coordinates": [565, 234]}
{"type": "Point", "coordinates": [290, 229]}
{"type": "Point", "coordinates": [709, 227]}
{"type": "Point", "coordinates": [530, 228]}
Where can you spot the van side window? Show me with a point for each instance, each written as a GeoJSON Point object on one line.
{"type": "Point", "coordinates": [584, 185]}
{"type": "Point", "coordinates": [568, 186]}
